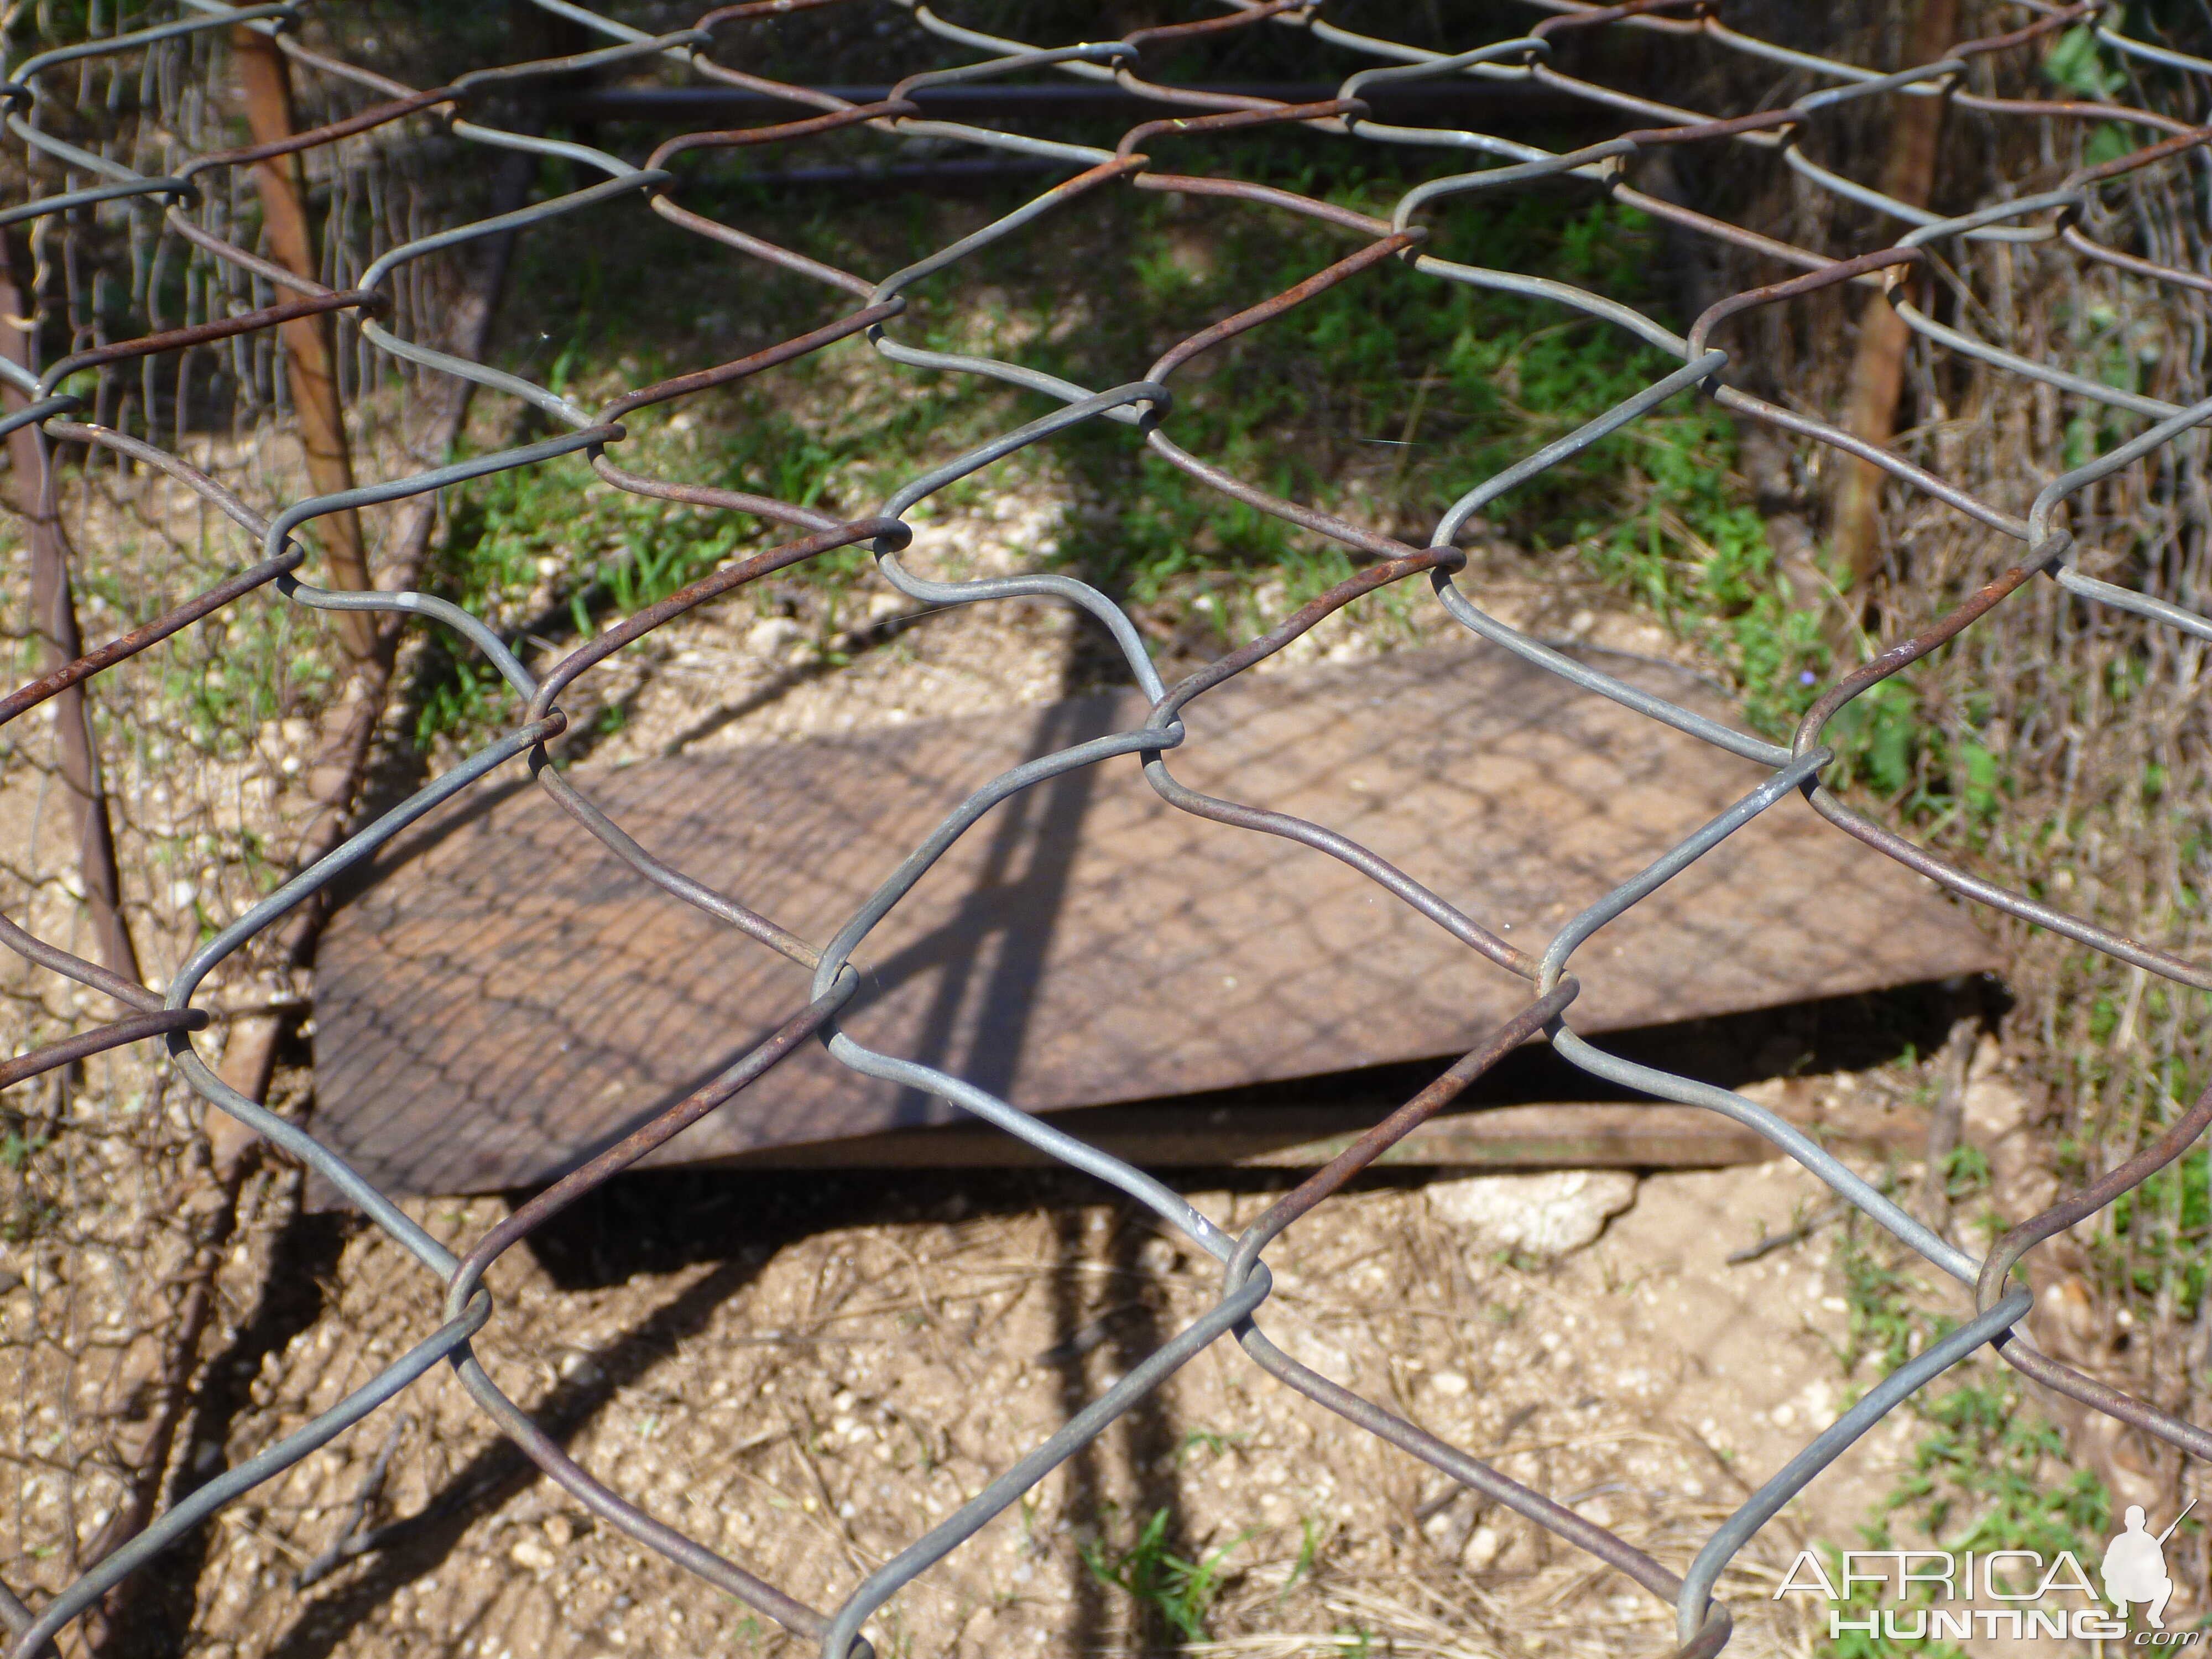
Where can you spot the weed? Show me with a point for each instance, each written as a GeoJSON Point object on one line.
{"type": "Point", "coordinates": [1854, 1609]}
{"type": "Point", "coordinates": [1988, 1457]}
{"type": "Point", "coordinates": [1312, 1533]}
{"type": "Point", "coordinates": [1383, 398]}
{"type": "Point", "coordinates": [1988, 1473]}
{"type": "Point", "coordinates": [1210, 1440]}
{"type": "Point", "coordinates": [1181, 1592]}
{"type": "Point", "coordinates": [25, 1210]}
{"type": "Point", "coordinates": [542, 550]}
{"type": "Point", "coordinates": [1966, 1174]}
{"type": "Point", "coordinates": [1883, 1320]}
{"type": "Point", "coordinates": [1985, 1465]}
{"type": "Point", "coordinates": [17, 1149]}
{"type": "Point", "coordinates": [2157, 1232]}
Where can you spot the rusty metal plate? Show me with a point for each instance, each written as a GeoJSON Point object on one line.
{"type": "Point", "coordinates": [504, 998]}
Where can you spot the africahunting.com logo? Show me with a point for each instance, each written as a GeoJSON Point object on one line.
{"type": "Point", "coordinates": [2132, 1574]}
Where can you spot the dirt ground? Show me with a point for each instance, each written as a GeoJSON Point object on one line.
{"type": "Point", "coordinates": [763, 666]}
{"type": "Point", "coordinates": [811, 1383]}
{"type": "Point", "coordinates": [805, 1378]}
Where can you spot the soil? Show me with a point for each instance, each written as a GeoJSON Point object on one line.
{"type": "Point", "coordinates": [787, 662]}
{"type": "Point", "coordinates": [807, 1381]}
{"type": "Point", "coordinates": [807, 1373]}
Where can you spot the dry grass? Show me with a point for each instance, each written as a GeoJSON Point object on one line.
{"type": "Point", "coordinates": [807, 1383]}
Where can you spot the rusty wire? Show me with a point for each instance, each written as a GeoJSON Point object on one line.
{"type": "Point", "coordinates": [1145, 403]}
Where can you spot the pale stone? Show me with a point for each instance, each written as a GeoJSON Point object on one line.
{"type": "Point", "coordinates": [773, 636]}
{"type": "Point", "coordinates": [1539, 1215]}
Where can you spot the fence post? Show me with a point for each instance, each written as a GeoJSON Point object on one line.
{"type": "Point", "coordinates": [53, 619]}
{"type": "Point", "coordinates": [1878, 369]}
{"type": "Point", "coordinates": [266, 87]}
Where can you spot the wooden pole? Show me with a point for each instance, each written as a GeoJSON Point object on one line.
{"type": "Point", "coordinates": [1878, 370]}
{"type": "Point", "coordinates": [53, 619]}
{"type": "Point", "coordinates": [266, 87]}
{"type": "Point", "coordinates": [166, 1372]}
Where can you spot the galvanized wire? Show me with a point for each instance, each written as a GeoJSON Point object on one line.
{"type": "Point", "coordinates": [1145, 403]}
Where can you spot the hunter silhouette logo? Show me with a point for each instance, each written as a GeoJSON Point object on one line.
{"type": "Point", "coordinates": [2135, 1566]}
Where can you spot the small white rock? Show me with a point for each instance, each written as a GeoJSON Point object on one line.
{"type": "Point", "coordinates": [774, 636]}
{"type": "Point", "coordinates": [1540, 1215]}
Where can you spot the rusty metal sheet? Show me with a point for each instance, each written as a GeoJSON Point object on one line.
{"type": "Point", "coordinates": [503, 998]}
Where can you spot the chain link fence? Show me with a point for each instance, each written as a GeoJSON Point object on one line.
{"type": "Point", "coordinates": [149, 218]}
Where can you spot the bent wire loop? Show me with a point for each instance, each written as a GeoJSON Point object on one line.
{"type": "Point", "coordinates": [1146, 404]}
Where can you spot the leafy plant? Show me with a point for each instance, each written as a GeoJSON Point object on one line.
{"type": "Point", "coordinates": [1983, 1473]}
{"type": "Point", "coordinates": [25, 1210]}
{"type": "Point", "coordinates": [1883, 1318]}
{"type": "Point", "coordinates": [1985, 1463]}
{"type": "Point", "coordinates": [2073, 63]}
{"type": "Point", "coordinates": [1181, 1592]}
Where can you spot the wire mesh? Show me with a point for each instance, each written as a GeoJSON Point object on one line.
{"type": "Point", "coordinates": [172, 194]}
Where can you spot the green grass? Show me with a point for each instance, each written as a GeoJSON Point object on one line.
{"type": "Point", "coordinates": [1988, 1475]}
{"type": "Point", "coordinates": [1180, 1593]}
{"type": "Point", "coordinates": [1391, 394]}
{"type": "Point", "coordinates": [2158, 1230]}
{"type": "Point", "coordinates": [1385, 399]}
{"type": "Point", "coordinates": [1989, 1470]}
{"type": "Point", "coordinates": [1885, 1321]}
{"type": "Point", "coordinates": [1985, 1477]}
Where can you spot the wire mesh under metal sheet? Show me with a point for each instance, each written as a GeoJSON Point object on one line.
{"type": "Point", "coordinates": [166, 198]}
